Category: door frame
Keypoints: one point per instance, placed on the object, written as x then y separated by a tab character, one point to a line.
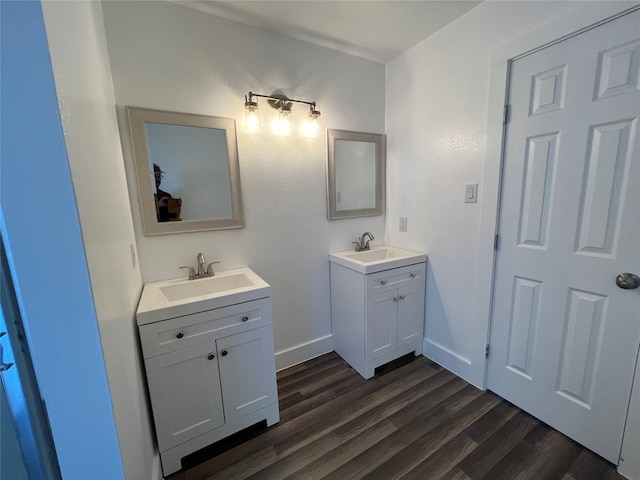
585	18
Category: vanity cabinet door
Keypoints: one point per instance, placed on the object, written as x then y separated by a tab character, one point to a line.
410	314
185	393
381	324
247	372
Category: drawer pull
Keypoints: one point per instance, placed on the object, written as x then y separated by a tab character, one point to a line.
179	335
211	356
413	275
245	318
224	353
383	282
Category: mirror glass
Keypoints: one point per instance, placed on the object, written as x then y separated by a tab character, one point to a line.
355	174
187	171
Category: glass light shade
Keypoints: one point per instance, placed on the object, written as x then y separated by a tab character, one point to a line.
252	117
311	126
282	124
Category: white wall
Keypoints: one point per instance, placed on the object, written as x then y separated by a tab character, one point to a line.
170	57
77	45
41	231
436	121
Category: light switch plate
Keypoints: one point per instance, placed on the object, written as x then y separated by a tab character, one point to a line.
403	224
471	193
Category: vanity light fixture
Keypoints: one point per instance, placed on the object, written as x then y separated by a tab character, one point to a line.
282	124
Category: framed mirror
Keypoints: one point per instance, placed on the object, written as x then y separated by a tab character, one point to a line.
187	171
355	174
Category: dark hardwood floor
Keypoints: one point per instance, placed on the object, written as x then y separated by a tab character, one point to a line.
413	420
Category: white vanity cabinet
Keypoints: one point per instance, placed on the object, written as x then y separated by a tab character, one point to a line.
210	374
377	317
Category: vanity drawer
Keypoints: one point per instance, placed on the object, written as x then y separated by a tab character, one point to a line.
395	278
181	332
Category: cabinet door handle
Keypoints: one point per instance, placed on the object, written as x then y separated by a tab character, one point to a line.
224	353
383	282
211	356
395	299
401	297
413	275
179	335
245	318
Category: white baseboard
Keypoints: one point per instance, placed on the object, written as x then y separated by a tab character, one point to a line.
303	352
447	358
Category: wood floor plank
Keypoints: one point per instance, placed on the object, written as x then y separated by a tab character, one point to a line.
455	474
399	464
456	387
334	454
438	465
495	418
496	446
305	404
429	386
413	419
547	454
313	381
589	466
348	411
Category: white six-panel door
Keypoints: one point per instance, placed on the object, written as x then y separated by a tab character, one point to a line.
564	336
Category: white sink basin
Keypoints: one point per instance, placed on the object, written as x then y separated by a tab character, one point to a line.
377	259
174	298
205	286
374	255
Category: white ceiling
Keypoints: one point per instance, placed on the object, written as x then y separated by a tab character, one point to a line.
378	30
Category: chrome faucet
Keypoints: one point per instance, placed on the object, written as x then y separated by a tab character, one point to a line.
201	265
202	271
361	244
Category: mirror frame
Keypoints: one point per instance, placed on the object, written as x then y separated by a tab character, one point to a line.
137	118
379	140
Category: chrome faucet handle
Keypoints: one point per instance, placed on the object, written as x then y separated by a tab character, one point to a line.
210	267
357	246
192	273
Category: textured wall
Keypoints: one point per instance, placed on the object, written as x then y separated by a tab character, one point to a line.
77	45
169	57
41	231
436	121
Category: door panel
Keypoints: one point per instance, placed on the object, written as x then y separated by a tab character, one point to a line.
246	372
564	337
410	314
382	324
185	393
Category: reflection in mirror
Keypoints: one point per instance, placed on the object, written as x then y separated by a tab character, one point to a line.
187	171
355	174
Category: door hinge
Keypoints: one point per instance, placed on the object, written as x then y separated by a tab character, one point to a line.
486	351
496	238
505	114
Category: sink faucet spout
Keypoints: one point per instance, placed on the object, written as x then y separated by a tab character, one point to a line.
201	265
364	245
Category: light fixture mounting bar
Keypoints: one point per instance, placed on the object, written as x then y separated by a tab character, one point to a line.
279	101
